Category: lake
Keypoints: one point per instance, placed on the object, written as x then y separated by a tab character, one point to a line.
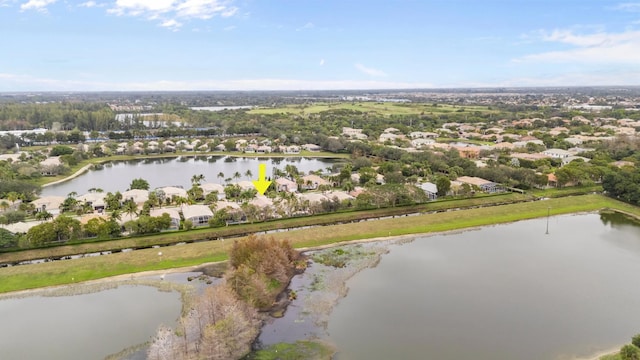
117	176
84	327
501	292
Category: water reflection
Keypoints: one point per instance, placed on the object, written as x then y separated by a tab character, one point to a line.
160	172
627	228
88	326
486	294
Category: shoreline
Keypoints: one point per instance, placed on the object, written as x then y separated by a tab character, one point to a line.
80	171
600	354
88	167
385	241
302	250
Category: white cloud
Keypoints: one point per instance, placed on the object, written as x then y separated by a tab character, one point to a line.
167	10
229	28
12	82
631	7
171	24
38	5
6	3
306	26
598	47
321	62
611	78
90	4
370	71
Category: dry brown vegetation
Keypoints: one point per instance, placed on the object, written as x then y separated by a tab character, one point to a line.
260	269
223	322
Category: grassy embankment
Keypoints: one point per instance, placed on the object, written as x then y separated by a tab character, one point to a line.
64	272
173	237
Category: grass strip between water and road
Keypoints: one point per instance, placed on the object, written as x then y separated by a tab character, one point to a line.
91	268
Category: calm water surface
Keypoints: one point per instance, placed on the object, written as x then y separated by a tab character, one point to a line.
502	292
84	327
177	172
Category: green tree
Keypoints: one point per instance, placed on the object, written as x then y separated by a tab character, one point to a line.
195	193
7	239
4	205
636	340
140	184
443	184
130	207
43	215
196	180
113	201
59	150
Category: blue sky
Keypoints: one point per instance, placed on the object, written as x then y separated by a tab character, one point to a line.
50	45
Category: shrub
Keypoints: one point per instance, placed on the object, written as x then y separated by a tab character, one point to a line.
629	352
260	269
61	150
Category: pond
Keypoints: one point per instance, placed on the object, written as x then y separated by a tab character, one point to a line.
87	326
178	171
501	292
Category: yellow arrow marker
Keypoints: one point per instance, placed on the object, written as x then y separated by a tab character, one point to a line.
262	184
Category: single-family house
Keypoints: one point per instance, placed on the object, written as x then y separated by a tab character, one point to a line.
430	189
199	215
569	159
50	204
557	153
208	188
139	196
173	214
353	133
312	181
483	184
171	191
20	227
95	199
284	184
312	147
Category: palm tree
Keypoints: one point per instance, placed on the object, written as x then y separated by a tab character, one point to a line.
197	179
130	207
221	175
43	215
237	175
248	174
181	200
115	215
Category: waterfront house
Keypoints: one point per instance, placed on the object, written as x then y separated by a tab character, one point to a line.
199	215
173	214
284	184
